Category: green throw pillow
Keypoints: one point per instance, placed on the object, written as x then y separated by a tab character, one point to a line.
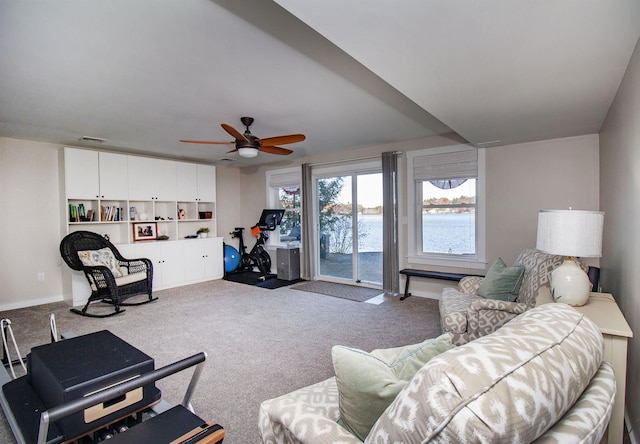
369	382
501	282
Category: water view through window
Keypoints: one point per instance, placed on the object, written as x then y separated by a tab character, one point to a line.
449	233
449	216
443	232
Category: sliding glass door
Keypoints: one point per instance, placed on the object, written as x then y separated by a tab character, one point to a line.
349	217
335	227
369	227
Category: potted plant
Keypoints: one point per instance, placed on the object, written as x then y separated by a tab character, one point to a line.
203	232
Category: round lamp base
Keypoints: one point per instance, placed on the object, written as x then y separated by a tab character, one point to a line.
570	284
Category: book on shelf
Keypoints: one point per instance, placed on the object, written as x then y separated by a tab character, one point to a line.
79	213
111	213
73	213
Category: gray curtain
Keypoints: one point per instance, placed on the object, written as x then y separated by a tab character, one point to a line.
390	267
307	223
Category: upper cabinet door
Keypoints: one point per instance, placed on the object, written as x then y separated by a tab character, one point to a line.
195	182
151	179
114	179
186	181
81	174
141	178
165	179
206	183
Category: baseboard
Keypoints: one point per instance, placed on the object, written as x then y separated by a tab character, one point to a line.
31	303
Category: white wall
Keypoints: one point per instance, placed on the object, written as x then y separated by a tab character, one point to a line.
525	178
620	200
521	180
229	202
30	223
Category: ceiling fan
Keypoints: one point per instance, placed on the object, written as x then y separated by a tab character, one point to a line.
248	145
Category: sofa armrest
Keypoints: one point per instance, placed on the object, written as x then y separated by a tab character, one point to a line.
470	284
307	415
587	420
485	316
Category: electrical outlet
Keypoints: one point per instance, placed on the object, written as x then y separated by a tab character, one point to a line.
41	276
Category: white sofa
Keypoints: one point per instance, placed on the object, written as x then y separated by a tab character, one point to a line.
540	378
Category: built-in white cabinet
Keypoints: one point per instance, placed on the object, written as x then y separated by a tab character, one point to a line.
178	198
109	192
81	174
195	183
203	259
196	191
95	175
206	183
151	179
114	179
168	261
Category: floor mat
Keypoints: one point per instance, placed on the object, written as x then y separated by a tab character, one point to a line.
252	278
351	292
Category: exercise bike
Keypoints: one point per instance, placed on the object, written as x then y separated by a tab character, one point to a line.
239	260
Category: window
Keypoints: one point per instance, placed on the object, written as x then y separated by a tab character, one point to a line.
446	215
284	191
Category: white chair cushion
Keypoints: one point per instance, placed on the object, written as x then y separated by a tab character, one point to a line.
127	279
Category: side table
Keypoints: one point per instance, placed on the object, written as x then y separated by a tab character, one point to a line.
602	309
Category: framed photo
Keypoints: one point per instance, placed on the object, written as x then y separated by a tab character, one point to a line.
145	231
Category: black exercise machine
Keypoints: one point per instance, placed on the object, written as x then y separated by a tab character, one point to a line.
86	389
258	256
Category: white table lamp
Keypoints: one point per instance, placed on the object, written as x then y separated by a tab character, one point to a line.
570	233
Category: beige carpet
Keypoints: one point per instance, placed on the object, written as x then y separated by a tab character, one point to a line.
350	292
260	343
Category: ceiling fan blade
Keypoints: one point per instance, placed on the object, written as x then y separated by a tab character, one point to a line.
207	142
282	140
275	150
234	132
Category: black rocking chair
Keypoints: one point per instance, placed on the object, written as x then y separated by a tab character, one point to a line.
112	278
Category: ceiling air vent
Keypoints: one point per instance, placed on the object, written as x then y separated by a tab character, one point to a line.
92	139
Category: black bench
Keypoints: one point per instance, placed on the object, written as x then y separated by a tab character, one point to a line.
408	272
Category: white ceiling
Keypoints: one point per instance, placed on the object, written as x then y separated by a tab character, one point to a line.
145	73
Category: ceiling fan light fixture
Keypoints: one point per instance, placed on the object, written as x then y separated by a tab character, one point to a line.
247	152
247	145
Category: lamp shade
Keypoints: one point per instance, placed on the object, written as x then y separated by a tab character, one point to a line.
570	232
